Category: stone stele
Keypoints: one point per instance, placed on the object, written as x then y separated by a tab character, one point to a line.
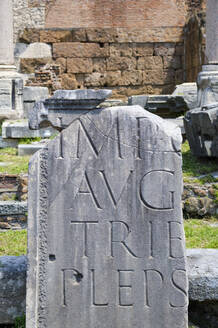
106	242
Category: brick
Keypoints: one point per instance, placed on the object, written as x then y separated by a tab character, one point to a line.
99	64
101	35
79	65
143	49
172	61
150	63
121	50
62	62
164	49
78	49
121	63
29	35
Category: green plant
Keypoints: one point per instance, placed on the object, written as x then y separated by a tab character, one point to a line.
13	164
29	140
201	233
193	166
13	243
20	322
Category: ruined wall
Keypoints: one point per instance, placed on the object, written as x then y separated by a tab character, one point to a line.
131	46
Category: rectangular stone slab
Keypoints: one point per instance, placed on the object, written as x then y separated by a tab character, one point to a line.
106	243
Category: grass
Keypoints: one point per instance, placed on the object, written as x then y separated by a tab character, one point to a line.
200	234
16	164
193	167
13	243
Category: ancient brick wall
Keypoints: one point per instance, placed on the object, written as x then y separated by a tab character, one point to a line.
131	46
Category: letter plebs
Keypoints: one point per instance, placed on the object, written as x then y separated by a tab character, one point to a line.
106	237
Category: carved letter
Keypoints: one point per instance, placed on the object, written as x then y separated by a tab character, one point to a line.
179	281
99	293
157	190
119	235
72	277
175	240
153	285
85	234
125	287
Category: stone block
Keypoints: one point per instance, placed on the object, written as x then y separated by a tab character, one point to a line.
113	78
79	65
12	288
62	62
121	50
164	49
142	49
121	63
30	149
20	129
69	82
189	92
131	78
95	79
158	76
11	97
13	208
101	35
110	185
37	50
99	64
30	65
54	36
203	274
172	61
30	35
150	63
5	143
77	49
31	95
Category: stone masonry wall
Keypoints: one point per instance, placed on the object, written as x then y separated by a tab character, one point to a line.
133	47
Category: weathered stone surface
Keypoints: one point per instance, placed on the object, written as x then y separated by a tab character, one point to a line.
6	33
113	181
58	110
30	65
31	95
201	126
30	149
150	63
163	105
189	92
37	50
121	63
12	287
12	207
11	97
79	65
211	32
77	49
20	129
203	274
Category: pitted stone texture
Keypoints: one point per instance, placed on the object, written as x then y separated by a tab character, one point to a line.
6	33
58	110
203	274
105	201
12	287
189	93
201	127
211	32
